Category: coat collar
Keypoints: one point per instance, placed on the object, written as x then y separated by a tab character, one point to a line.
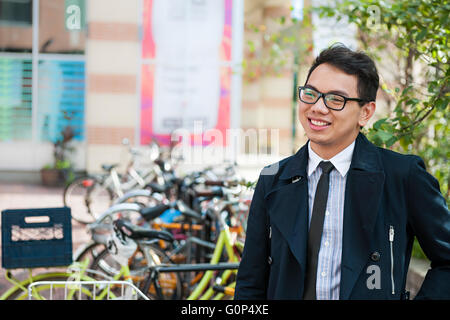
365	157
341	161
297	165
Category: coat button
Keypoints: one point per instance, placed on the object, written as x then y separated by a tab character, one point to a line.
375	256
269	260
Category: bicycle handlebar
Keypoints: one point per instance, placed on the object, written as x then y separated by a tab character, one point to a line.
115	209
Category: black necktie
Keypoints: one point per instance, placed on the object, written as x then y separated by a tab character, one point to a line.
315	230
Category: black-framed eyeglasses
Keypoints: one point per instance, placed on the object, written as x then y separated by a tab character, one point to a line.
332	101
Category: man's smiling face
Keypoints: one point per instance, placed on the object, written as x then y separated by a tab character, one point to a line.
332	131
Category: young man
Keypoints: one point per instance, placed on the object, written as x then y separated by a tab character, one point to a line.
337	219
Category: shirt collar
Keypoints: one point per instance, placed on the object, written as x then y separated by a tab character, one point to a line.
341	161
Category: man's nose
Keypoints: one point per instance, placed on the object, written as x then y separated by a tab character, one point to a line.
320	106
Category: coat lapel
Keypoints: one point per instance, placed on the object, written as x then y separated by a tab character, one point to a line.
288	204
363	193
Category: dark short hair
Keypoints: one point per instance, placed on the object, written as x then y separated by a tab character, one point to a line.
353	63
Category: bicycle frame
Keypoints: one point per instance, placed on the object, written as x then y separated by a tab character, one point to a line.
123	273
112	181
224	240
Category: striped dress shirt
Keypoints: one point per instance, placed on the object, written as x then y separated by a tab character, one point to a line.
330	252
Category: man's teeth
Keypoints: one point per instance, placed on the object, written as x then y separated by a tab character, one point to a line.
319	123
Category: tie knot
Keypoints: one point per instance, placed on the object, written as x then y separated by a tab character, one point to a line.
326	166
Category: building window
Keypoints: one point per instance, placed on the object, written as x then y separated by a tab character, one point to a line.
42	82
16	12
15	99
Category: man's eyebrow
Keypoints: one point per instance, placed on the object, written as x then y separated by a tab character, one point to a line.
342	93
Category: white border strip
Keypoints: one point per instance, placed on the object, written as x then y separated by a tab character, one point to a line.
141	62
35	75
61	57
14	55
237	39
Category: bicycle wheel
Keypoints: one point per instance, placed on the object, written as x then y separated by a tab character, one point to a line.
87	198
58	292
171	283
89	251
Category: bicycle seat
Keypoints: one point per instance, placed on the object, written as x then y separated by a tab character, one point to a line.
150	213
209	194
109	167
157	187
135	232
188	212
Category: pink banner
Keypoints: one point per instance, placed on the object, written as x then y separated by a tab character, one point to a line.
186	74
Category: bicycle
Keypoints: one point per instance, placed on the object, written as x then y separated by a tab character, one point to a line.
195	222
201	223
90	194
146	252
219	208
224	283
162	281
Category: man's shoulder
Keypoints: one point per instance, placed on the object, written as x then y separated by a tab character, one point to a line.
396	158
273	174
276	168
398	165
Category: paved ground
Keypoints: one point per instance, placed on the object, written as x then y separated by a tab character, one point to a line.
20	196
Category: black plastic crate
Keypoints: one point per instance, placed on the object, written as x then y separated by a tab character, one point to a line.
36	238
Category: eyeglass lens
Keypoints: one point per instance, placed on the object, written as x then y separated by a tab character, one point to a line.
309	95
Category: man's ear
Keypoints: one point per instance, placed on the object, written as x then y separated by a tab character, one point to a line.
366	113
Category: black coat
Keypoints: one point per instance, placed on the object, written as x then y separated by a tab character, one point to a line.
384	190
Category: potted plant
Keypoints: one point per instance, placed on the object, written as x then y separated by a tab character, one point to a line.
60	170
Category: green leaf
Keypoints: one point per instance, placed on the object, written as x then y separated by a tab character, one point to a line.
412	101
391	141
441	104
404	121
251	46
405	142
385	136
62	164
377	125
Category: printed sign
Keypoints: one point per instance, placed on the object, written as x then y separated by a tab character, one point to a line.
186	74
